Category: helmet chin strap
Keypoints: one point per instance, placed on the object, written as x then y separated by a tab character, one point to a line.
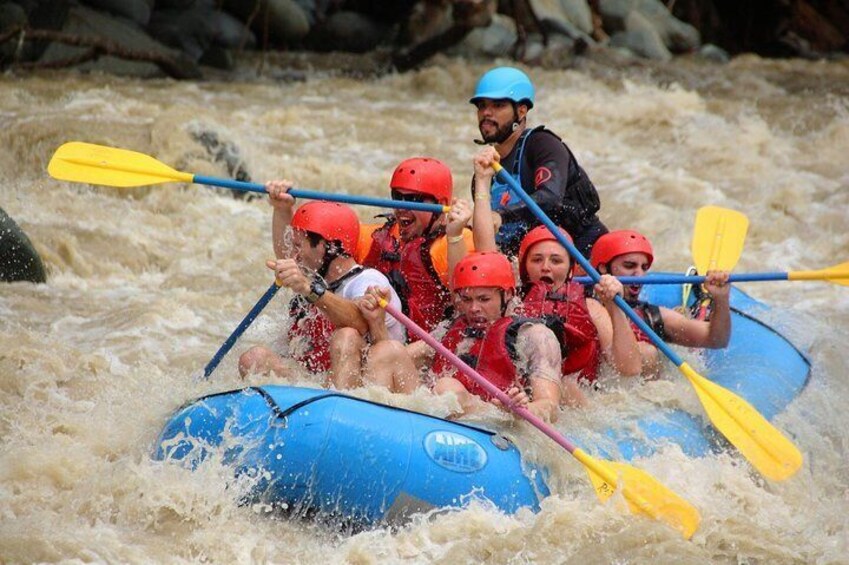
504	302
434	217
330	253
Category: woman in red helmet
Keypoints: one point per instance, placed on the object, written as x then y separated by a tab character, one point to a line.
587	330
417	250
316	261
629	253
519	355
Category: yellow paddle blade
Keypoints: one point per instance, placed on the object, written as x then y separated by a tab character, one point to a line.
838	274
718	238
643	493
97	164
772	454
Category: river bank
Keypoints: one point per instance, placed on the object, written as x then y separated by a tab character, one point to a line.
185	39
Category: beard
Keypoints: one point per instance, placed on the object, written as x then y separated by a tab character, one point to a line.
499	135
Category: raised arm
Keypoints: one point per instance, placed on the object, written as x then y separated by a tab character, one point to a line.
458	219
283	204
714	334
485	222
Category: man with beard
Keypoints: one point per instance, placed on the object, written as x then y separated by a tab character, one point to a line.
544	166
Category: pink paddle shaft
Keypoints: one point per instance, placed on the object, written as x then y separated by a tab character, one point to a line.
478	378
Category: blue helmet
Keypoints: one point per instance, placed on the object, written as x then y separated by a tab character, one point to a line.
505	83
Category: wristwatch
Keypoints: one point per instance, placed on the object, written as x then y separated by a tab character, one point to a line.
317	290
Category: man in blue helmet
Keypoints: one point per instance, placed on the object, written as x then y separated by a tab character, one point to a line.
537	158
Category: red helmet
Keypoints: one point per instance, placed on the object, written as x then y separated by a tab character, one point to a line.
481	270
332	221
425	176
620	242
537	235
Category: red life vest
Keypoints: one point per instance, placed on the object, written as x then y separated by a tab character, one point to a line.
427	298
311	325
650	314
492	354
384	253
410	270
570	320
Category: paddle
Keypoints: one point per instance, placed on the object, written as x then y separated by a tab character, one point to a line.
718	238
97	164
230	341
643	493
772	454
838	274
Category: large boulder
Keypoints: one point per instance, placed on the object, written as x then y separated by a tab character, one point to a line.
676	35
641	37
570	17
39	15
190	31
126	40
230	33
347	31
181	4
199	30
286	21
137	11
11	16
19	261
496	40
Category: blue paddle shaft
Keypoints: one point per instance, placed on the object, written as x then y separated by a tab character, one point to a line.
588	268
228	344
690	279
328	196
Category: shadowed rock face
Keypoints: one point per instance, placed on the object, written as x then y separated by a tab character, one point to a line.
19	261
770	27
130	36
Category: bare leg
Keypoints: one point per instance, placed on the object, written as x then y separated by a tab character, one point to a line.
346	348
389	365
421	353
464	397
261	360
572	395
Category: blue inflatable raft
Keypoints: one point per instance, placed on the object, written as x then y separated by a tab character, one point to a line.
365	463
760	365
314	450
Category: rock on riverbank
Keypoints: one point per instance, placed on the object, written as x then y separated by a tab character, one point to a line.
179	38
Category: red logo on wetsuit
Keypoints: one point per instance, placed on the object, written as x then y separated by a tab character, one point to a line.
543	175
505	199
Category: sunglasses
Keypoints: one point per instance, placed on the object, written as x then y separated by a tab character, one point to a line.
411	197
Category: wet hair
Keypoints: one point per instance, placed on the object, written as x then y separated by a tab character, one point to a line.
313	238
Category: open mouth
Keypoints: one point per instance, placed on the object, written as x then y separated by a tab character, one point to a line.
405	221
547	279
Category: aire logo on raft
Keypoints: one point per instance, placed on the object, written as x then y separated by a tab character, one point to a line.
455	452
